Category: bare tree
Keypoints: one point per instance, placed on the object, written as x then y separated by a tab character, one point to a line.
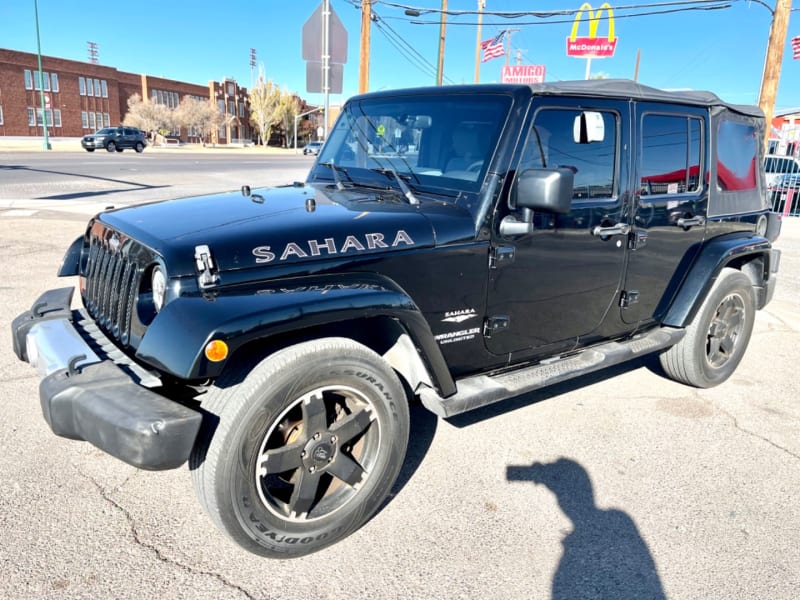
264	99
200	115
148	116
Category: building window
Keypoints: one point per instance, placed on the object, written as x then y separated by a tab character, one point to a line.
89	87
221	106
57	117
54	80
84	119
241	109
28	79
81	86
231	110
92	121
1	114
99	120
107	119
31	117
230	89
104	87
45	81
97	87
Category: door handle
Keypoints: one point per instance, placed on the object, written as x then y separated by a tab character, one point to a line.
689	222
607	232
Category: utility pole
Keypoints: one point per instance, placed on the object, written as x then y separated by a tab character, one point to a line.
363	69
772	61
481	6
326	61
442	24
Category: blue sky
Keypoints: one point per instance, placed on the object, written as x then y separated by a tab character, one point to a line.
719	50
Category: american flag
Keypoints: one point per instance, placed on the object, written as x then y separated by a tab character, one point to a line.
494	47
795	47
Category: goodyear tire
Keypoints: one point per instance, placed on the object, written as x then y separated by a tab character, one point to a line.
307	445
717	338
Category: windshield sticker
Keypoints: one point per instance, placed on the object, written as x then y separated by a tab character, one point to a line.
314	248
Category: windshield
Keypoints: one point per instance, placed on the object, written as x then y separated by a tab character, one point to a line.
438	141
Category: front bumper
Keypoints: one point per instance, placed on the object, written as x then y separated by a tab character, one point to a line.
90	394
93	143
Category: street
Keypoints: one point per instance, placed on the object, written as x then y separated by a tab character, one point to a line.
553	494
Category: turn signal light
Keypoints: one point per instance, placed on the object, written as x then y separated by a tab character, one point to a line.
216	350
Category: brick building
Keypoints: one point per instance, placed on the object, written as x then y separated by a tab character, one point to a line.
82	97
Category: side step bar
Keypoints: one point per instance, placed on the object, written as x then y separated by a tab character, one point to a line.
482	390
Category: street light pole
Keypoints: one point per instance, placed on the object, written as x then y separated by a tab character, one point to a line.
41	77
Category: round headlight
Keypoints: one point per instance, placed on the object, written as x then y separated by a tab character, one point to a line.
159	285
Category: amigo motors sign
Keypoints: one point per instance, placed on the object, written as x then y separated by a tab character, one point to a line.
592	46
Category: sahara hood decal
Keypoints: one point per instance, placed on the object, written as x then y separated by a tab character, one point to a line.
330	246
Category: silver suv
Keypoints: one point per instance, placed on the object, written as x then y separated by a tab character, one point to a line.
115	139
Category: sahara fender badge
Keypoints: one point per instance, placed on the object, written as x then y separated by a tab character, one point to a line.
459	316
330	246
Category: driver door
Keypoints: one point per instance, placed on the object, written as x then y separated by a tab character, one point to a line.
558	286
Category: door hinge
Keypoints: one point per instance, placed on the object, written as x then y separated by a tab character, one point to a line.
495	324
628	298
501	256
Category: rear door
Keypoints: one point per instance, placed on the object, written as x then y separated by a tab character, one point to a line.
671	203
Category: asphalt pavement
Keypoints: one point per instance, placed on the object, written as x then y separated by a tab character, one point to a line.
561	493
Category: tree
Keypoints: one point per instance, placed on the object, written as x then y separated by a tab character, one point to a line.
264	99
148	116
201	115
288	108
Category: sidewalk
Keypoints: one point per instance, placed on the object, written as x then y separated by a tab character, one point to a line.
73	144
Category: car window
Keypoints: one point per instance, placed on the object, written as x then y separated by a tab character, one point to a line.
551	144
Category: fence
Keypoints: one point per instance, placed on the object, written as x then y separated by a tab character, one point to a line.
783	184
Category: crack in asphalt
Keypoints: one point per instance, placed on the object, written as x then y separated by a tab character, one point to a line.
159	554
755	435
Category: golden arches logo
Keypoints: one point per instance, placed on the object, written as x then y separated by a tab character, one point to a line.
592	46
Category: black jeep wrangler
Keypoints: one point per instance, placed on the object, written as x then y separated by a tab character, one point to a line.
458	245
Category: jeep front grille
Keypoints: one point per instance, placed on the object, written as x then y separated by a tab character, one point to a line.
112	282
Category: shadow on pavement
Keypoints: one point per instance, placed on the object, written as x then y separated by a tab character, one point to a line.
134	186
604	556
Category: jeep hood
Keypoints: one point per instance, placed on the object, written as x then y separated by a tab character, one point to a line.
286	225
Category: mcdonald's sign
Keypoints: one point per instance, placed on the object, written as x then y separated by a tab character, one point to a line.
592	46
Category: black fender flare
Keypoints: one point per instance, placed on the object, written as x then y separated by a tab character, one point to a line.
715	255
238	315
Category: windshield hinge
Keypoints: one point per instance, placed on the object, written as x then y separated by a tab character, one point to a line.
501	256
206	269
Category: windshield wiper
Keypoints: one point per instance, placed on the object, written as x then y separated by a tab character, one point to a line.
412	199
335	171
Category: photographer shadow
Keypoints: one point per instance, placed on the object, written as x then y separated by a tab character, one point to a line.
604	555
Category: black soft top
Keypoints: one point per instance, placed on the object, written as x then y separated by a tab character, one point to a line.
625	88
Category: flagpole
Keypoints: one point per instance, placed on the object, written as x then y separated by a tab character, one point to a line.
481	6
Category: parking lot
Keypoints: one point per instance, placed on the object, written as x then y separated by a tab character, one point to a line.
560	493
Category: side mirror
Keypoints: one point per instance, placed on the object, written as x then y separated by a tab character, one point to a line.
546	190
588	127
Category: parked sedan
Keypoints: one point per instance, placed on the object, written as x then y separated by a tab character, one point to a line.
312	148
115	139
